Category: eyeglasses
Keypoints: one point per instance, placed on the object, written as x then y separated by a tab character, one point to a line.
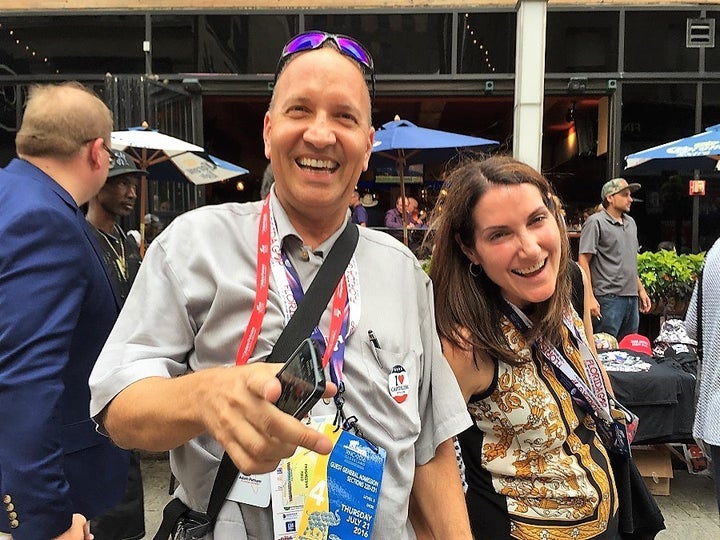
111	153
309	41
112	156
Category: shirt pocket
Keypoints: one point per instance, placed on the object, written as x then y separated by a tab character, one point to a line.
393	393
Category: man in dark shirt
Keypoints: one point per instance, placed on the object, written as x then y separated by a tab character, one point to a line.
359	214
117	198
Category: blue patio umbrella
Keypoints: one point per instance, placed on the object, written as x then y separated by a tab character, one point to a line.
698	152
401	143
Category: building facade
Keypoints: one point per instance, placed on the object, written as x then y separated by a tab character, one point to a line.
618	77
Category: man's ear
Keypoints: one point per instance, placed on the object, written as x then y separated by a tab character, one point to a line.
368	150
266	134
96	154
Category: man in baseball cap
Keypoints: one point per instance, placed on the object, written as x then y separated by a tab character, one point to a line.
115	199
608	255
122	258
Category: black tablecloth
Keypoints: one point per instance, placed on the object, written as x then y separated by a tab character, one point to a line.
663	399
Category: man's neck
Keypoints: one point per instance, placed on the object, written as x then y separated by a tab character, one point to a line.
102	220
615	213
64	173
315	233
312	230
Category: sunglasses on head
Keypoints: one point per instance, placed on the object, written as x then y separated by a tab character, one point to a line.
309	41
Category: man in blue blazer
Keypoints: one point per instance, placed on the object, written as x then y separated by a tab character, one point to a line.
57	307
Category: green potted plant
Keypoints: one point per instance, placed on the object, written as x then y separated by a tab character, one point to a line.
669	279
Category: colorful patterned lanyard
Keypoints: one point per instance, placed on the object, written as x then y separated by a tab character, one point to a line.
334	348
594	400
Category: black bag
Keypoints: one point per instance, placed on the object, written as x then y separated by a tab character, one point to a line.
181	523
639	517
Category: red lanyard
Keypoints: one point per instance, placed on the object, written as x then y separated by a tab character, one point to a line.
262	286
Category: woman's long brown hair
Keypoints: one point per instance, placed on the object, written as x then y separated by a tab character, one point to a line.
468	308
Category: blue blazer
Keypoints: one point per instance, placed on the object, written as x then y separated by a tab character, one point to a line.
57	307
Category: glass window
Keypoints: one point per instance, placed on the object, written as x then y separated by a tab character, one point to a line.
72	44
654	114
711	104
486	43
174	44
655	41
408	43
582	41
712	55
248	44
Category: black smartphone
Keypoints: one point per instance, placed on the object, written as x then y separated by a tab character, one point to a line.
302	380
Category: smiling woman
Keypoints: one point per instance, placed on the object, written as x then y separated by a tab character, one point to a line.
519	351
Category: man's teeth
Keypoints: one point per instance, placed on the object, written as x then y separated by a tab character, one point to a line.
317	163
531	269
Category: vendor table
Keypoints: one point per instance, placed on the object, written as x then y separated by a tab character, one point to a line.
663	399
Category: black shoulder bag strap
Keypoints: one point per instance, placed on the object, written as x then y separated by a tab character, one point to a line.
299	327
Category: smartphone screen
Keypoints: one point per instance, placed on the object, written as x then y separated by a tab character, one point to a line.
302	380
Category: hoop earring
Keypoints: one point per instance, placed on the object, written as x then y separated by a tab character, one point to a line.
476	273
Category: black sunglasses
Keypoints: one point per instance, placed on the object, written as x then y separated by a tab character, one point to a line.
314	39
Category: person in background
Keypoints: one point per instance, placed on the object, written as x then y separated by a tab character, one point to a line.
376	217
706	427
393	217
115	200
126	521
359	215
667	245
57	306
608	256
153	227
535	466
414	212
163	380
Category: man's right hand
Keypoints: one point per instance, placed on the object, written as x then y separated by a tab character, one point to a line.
236	405
240	413
79	530
595	308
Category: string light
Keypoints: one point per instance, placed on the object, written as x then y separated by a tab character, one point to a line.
481	46
27	48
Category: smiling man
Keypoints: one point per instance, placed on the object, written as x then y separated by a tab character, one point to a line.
163	383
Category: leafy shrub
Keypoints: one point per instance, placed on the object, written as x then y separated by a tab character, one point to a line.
668	276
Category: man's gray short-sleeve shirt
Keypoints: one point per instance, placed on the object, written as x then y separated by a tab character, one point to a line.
189	308
614	248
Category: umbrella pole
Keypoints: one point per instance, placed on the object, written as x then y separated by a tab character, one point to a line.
401	164
143	202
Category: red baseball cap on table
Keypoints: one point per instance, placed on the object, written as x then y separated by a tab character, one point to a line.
637	343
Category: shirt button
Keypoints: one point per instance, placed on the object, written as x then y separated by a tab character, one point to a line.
12	515
304	255
7	499
10	507
14	524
